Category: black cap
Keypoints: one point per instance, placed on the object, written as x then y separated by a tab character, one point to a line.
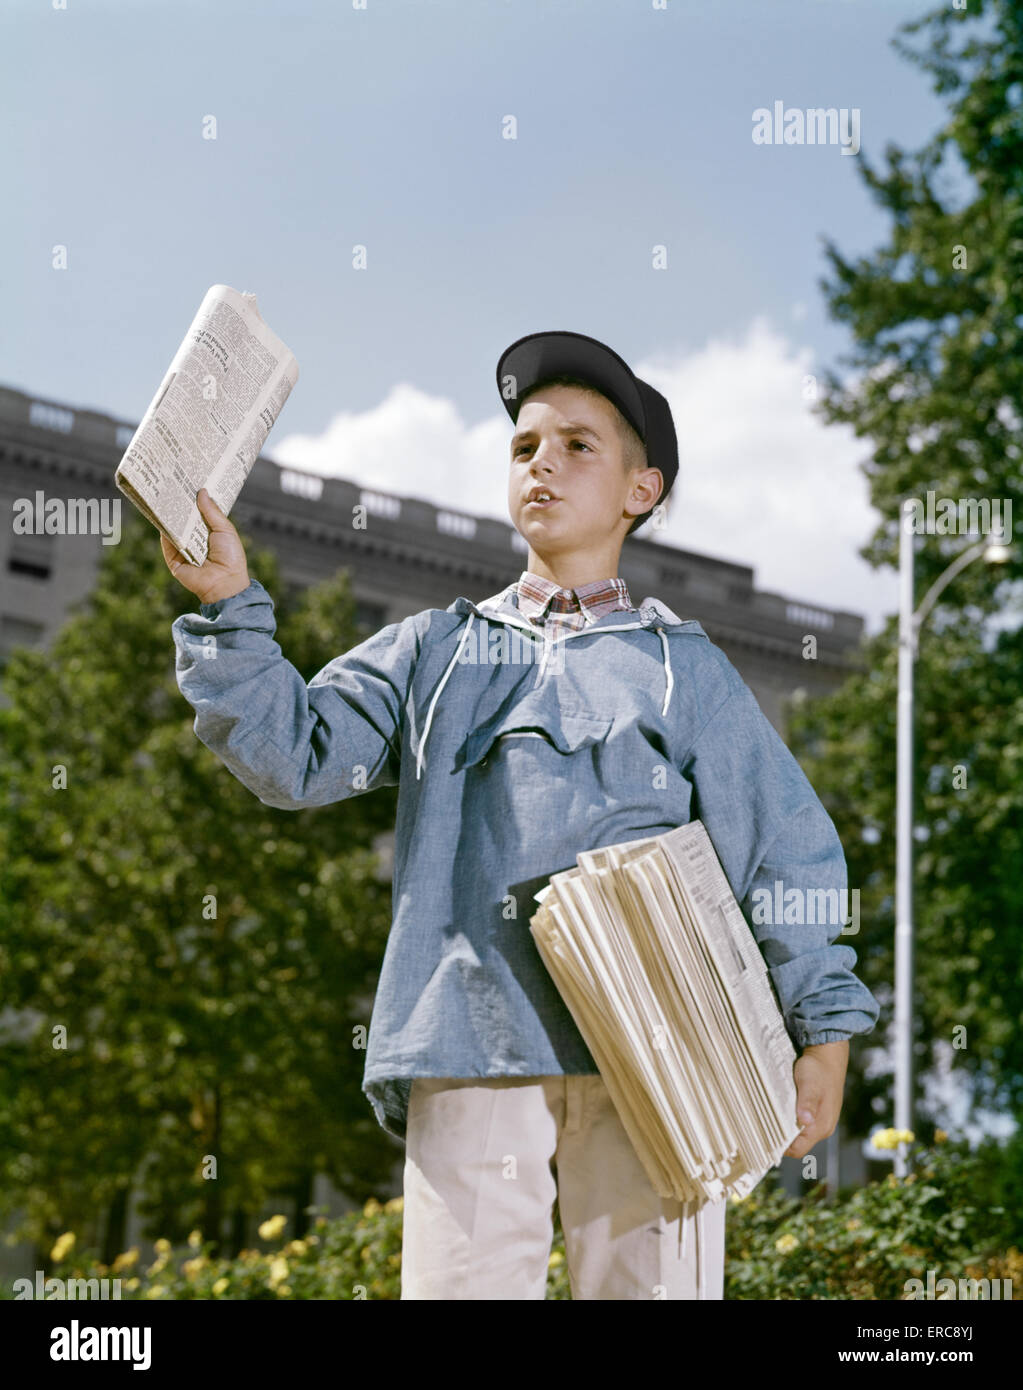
538	356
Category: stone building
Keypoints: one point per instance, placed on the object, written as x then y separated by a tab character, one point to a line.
411	555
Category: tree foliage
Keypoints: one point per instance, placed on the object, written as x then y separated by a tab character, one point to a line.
936	317
210	958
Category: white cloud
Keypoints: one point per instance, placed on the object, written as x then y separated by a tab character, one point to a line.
765	481
762	480
413	444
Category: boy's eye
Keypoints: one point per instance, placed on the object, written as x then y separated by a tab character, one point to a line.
526	446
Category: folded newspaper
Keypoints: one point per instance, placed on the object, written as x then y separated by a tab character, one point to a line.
657	965
208	421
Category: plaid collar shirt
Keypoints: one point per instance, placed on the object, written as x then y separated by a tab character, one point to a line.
545	604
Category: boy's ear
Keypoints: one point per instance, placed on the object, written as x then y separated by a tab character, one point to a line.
650	480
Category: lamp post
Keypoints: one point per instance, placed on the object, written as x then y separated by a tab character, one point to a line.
995	551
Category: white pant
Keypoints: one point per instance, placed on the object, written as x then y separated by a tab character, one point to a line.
485	1159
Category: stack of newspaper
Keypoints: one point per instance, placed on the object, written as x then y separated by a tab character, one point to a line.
656	963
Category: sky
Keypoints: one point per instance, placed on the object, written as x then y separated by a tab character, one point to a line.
384	126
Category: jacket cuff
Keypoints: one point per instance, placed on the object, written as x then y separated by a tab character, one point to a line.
213	610
811	1037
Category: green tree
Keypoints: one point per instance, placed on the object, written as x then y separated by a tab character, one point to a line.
210	958
936	316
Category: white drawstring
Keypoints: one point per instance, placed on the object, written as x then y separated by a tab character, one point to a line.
669	678
436	696
699	1254
683	1223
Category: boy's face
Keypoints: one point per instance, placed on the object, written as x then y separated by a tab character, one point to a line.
566	440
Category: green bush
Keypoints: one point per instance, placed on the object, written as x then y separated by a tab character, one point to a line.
356	1256
946	1215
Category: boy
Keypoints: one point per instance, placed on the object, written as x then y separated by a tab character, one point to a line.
551	718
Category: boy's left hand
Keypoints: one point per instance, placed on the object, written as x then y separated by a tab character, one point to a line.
819	1075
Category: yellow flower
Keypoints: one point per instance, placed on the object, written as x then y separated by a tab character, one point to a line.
283	1290
272	1228
162	1246
395	1204
278	1270
785	1243
854	1224
556	1259
295	1247
372	1207
62	1246
125	1261
220	1286
735	1197
940	1136
192	1267
195	1239
131	1283
891	1138
154	1291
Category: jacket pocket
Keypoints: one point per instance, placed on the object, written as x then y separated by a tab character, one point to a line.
568	731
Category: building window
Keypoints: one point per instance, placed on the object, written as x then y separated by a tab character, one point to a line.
31	556
51	417
380	504
123	436
370	617
306	485
454	524
17	632
808	617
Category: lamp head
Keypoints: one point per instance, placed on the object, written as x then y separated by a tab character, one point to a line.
997	550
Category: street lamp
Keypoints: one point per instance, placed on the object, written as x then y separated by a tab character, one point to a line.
995	549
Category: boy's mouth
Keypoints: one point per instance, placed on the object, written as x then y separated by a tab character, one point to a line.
541	497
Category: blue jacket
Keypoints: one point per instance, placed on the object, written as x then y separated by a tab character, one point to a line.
512	753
